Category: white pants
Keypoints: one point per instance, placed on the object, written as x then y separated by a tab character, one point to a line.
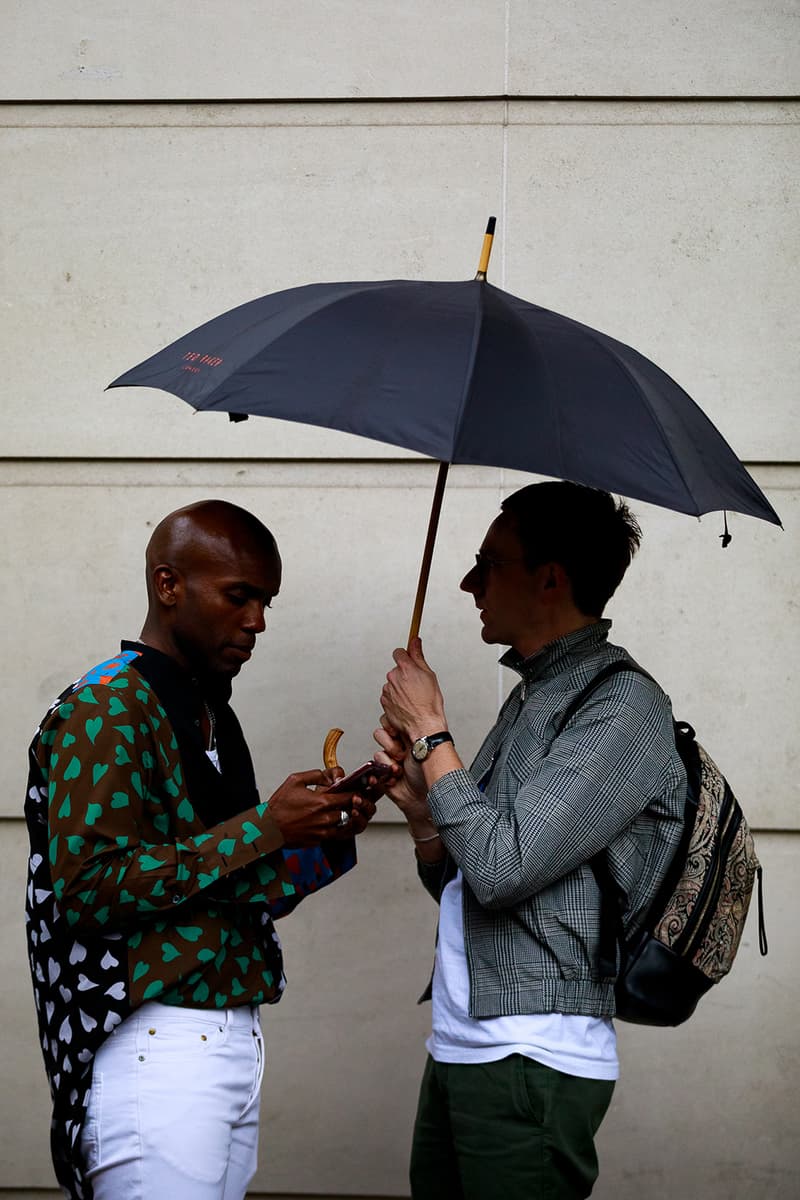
173	1109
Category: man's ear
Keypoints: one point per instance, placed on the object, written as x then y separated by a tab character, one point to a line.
167	583
554	576
555	582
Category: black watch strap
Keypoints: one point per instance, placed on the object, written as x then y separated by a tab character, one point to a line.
423	746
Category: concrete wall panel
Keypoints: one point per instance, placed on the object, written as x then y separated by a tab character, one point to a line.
630	48
351	539
155	230
677	236
126	238
284	49
250	48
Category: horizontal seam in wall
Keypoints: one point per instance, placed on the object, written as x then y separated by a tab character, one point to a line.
355	101
212	126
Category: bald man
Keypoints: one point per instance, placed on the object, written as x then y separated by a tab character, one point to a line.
156	873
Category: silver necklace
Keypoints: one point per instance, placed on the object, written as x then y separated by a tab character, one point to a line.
212	727
211	752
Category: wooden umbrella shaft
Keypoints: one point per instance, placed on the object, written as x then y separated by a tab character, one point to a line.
486	250
441	480
427	554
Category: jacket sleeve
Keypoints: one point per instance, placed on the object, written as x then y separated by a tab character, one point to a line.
124	842
313	868
601	772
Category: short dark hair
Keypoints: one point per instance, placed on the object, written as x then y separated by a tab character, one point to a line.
588	532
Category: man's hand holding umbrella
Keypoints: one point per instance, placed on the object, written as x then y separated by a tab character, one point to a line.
413	711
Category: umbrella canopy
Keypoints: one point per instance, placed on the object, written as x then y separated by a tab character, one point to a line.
465	373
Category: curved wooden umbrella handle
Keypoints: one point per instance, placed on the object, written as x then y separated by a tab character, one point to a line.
329	748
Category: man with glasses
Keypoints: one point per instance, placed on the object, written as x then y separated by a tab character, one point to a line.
522	1055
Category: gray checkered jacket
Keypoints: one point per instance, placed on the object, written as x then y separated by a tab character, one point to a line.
548	802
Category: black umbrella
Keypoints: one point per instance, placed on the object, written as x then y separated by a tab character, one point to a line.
465	373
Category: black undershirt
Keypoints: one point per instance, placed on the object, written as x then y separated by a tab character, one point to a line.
215	795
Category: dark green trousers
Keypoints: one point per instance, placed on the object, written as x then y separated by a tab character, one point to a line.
507	1130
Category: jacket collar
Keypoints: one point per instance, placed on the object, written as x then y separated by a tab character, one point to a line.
557	656
172	682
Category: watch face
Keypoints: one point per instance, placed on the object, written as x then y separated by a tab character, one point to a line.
419	750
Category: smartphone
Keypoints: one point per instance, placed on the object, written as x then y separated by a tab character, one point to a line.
360	777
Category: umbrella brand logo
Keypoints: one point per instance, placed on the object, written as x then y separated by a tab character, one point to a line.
203	360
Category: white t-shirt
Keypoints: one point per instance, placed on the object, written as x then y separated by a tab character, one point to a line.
576	1045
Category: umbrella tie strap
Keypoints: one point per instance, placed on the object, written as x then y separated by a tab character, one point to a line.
726	538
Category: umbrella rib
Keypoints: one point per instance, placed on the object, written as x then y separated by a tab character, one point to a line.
544	363
470	369
328	302
529	333
653	417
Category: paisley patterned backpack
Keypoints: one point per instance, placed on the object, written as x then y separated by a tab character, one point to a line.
693	927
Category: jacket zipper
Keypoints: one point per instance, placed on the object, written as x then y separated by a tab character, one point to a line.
510	725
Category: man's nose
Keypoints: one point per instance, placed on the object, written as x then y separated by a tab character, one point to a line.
471	581
254	618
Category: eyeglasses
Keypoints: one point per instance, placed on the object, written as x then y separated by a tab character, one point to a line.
485	562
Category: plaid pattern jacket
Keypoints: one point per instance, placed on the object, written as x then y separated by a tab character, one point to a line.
548	802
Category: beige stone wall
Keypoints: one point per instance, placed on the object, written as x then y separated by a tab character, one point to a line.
161	163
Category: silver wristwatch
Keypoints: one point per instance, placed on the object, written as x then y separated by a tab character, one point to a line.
423	746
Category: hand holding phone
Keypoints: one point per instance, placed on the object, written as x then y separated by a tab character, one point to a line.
358	780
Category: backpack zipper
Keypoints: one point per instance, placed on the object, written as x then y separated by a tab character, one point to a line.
697	924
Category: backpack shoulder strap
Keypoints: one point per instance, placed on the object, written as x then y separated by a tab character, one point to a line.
606	672
612	899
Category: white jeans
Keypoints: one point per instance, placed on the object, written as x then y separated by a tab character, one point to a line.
173	1109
